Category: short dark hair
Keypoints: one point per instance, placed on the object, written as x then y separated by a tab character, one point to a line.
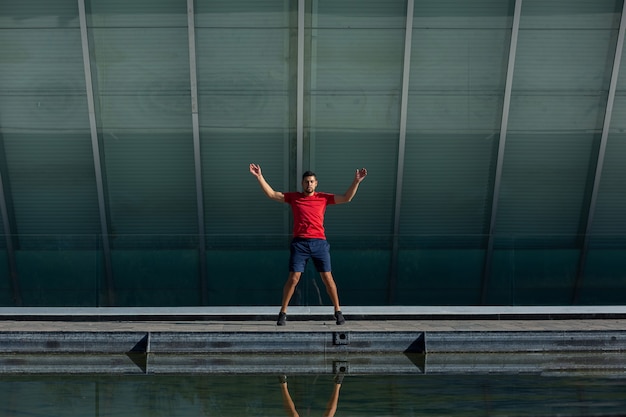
308	174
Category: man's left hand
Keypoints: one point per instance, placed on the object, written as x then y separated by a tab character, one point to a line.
360	174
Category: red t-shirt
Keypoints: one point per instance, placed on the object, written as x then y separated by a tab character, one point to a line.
308	213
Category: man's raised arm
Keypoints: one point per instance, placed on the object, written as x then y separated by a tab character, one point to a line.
267	189
349	194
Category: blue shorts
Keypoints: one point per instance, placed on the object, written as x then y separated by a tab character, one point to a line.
304	249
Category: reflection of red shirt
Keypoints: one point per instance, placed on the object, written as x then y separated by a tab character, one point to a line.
308	213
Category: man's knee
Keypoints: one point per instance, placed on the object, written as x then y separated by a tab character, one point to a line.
294	277
327	277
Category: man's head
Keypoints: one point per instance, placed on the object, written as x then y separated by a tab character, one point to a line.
309	182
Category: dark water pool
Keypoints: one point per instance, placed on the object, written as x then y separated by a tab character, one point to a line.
311	395
232	385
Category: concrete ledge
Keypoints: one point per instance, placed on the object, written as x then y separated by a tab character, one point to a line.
546	364
287	364
531	341
72	342
212	364
211	342
329	342
69	364
287	342
602	364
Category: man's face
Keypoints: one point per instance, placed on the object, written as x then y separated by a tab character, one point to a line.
309	184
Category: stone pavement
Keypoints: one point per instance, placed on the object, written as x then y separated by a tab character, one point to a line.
316	326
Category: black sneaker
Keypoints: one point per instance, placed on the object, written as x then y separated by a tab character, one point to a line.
282	319
339	317
282	379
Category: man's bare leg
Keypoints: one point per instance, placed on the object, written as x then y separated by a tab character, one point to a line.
331	407
290	407
331	289
289	289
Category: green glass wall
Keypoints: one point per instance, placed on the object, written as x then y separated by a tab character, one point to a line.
492	131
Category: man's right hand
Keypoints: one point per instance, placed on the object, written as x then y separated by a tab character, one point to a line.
255	170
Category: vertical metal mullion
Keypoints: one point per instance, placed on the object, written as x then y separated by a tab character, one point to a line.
193	77
501	146
601	155
95	146
300	90
15	281
404	101
313	84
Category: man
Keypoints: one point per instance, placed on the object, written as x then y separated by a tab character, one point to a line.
309	239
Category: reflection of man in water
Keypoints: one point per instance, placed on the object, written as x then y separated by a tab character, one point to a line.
331	407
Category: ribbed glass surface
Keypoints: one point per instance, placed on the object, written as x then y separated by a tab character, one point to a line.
246	77
38	14
565	54
426	242
44	127
458	72
476	14
141	77
137	13
551	148
609	223
621	81
571	14
604	273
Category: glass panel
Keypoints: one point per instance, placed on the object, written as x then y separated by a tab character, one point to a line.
36	14
362	273
60	276
141	76
6	287
533	276
545	182
244	13
551	148
261	272
358	14
47	163
246	84
136	14
605	275
621	81
153	278
51	178
609	223
455	107
568	14
447	276
458	73
477	14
